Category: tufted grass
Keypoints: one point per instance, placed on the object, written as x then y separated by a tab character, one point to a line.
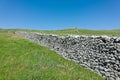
21	59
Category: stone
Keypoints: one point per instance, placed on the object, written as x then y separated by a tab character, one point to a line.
111	78
118	78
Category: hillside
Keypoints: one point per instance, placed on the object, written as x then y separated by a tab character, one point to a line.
76	31
21	59
83	32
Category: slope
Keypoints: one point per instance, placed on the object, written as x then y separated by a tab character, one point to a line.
23	60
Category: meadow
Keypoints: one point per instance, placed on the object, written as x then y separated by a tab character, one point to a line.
75	31
21	59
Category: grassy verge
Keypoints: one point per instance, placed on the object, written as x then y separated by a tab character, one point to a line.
24	60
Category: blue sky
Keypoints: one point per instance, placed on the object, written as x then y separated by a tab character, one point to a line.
60	14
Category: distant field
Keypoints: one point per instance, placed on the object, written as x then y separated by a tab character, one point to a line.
84	32
21	59
75	31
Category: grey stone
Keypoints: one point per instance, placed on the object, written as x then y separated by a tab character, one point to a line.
111	78
117	78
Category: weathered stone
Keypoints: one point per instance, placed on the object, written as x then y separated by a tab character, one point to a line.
117	78
111	78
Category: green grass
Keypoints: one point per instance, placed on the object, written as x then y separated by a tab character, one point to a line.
83	32
65	32
21	59
76	31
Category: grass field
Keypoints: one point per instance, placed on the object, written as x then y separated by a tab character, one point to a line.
21	59
83	32
76	31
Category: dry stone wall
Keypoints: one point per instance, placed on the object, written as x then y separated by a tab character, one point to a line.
100	54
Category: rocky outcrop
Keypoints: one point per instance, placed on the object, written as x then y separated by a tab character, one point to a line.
100	54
